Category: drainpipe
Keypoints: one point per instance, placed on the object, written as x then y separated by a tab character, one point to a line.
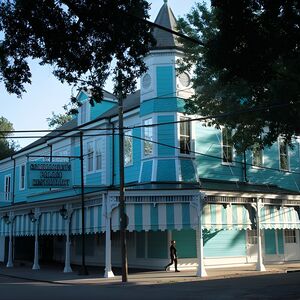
14	181
50	145
245	167
113	153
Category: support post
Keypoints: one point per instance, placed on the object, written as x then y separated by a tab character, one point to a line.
198	203
109	207
10	263
36	220
259	265
108	268
68	217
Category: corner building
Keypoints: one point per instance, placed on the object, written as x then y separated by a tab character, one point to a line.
184	181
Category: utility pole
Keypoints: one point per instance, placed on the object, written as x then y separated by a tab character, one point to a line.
123	219
83	270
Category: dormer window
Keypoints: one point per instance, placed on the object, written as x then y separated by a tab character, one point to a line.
84	113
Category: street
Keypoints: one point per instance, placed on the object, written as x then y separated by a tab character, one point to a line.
275	286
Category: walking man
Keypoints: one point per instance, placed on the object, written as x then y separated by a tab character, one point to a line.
173	256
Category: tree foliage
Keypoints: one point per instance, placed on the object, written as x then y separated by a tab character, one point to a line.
57	120
247	67
7	148
85	41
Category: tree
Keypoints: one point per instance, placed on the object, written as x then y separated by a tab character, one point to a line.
7	148
57	120
84	41
247	67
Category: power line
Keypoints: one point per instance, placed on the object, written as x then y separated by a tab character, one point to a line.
212	156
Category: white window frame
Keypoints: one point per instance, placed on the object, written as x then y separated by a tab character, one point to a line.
84	112
98	154
90	156
128	137
22	178
148	121
92	163
290	236
7	187
281	140
253	158
227	146
180	135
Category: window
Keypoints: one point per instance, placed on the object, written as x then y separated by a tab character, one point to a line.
84	112
94	155
148	137
257	156
227	146
252	237
64	156
185	135
290	236
7	182
98	155
22	177
283	155
128	148
90	150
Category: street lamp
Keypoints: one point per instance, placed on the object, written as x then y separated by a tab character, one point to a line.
6	218
32	216
63	212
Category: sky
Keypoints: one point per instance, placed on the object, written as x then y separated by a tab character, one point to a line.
46	94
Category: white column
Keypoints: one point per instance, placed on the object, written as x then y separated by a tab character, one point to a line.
201	272
259	265
109	205
36	242
10	263
67	268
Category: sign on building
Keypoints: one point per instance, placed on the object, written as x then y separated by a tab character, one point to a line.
49	174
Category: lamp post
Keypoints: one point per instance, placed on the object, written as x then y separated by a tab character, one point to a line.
67	215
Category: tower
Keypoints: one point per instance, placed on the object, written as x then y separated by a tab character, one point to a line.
163	91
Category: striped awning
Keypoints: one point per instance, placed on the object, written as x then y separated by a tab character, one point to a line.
276	217
23	226
4	228
227	217
178	216
94	220
52	223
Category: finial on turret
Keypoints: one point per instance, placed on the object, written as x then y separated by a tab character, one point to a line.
165	1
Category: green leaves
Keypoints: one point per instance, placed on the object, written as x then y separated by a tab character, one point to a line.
247	74
80	38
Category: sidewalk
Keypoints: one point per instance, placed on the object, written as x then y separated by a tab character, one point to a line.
54	274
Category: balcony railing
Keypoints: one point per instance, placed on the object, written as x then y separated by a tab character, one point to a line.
5	196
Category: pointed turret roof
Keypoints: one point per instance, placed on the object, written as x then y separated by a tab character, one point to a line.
165	39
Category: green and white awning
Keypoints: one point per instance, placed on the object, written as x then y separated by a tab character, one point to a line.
159	216
94	220
52	223
177	216
277	217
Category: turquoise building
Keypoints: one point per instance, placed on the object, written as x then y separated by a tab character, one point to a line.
184	182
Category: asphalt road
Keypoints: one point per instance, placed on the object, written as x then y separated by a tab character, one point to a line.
276	286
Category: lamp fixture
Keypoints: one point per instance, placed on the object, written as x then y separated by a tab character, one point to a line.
32	216
63	212
6	218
